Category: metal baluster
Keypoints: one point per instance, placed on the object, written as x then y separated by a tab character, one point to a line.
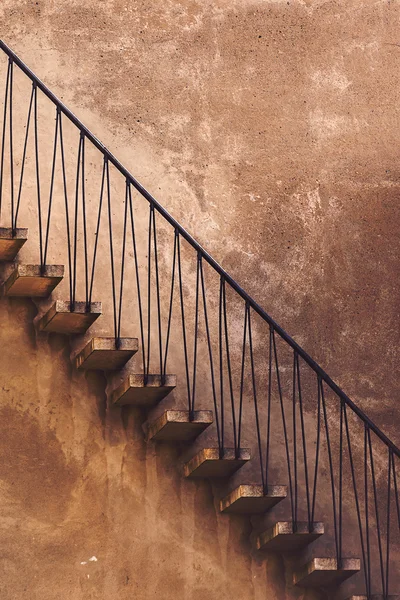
284	431
53	167
3	139
28	122
304	444
185	351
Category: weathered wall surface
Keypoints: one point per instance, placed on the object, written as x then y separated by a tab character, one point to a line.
270	130
89	511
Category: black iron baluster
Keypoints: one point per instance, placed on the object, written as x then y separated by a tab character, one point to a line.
296	490
97	233
378	527
65	189
228	364
151	210
357	501
196	333
242	375
268	433
341	480
39	203
141	321
221	370
28	122
304	444
171	299
157	292
185	350
335	524
368	546
210	354
53	167
253	379
110	230
78	167
285	435
388	522
11	141
85	246
3	139
317	450
121	286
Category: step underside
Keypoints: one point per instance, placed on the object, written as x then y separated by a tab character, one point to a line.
325	572
60	319
284	537
136	392
30	281
11	244
176	425
101	354
252	499
207	463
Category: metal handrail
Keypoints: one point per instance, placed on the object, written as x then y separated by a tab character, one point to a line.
200	250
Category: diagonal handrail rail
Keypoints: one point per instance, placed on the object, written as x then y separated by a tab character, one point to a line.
200	250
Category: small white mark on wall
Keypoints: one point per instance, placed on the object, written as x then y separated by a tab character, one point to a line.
91	559
332	78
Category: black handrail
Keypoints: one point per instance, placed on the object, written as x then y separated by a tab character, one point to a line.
373	496
200	250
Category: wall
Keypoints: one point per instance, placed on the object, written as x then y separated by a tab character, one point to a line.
269	130
88	510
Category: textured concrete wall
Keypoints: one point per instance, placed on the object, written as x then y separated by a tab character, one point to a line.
88	510
270	130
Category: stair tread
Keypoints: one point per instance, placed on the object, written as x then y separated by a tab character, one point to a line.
60	319
29	281
11	242
252	499
135	392
175	425
283	537
207	463
101	354
321	572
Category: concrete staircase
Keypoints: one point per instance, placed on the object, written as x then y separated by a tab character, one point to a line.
173	426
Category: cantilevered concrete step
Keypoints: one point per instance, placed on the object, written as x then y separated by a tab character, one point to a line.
29	281
283	537
176	426
324	572
60	318
136	392
252	499
11	244
101	354
207	463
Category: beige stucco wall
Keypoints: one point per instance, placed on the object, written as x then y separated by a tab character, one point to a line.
279	152
269	130
89	511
